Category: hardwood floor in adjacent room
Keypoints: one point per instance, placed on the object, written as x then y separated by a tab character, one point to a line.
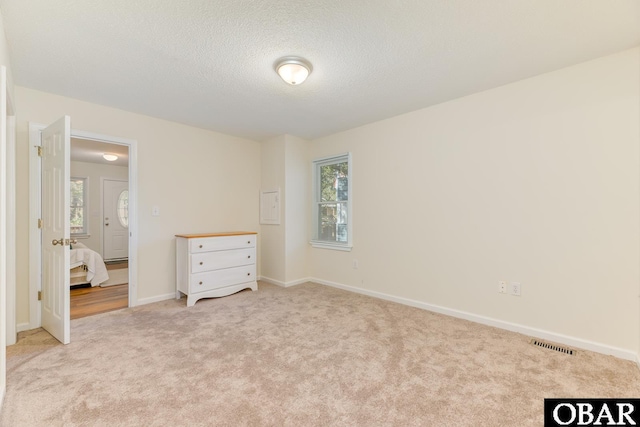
90	301
94	300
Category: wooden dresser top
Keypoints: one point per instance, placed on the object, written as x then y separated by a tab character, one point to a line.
219	234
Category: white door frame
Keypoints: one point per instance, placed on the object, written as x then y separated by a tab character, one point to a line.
35	208
12	330
3	229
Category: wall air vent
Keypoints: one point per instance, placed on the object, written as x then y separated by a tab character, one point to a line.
553	347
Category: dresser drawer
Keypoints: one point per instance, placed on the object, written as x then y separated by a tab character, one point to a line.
220	278
207	261
207	244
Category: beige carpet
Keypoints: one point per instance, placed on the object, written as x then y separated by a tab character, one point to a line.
303	356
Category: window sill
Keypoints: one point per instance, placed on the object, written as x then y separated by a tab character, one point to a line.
333	246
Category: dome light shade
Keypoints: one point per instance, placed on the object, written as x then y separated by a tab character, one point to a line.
293	70
110	157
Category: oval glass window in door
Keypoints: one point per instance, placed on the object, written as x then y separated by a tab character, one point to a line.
123	208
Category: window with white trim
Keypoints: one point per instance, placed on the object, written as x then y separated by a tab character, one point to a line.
332	202
78	208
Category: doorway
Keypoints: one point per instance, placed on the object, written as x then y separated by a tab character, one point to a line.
93	212
99	219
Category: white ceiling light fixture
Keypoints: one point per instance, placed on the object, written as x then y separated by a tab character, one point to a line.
293	69
110	157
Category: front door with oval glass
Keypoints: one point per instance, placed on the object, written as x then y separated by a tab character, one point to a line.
115	235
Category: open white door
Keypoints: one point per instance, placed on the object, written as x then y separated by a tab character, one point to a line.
56	229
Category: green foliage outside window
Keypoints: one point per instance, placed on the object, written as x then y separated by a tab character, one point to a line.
334	196
77	208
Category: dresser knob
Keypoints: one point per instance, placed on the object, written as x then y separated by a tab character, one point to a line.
248	274
248	256
200	246
200	283
200	262
248	242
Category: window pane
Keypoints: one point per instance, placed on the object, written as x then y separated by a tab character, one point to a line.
77	192
341	233
77	222
78	205
123	208
334	182
333	222
332	201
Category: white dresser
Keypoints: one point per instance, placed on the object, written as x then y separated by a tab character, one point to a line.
215	264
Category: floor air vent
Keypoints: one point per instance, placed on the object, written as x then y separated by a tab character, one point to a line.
553	347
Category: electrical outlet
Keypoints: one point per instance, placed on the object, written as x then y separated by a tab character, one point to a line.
355	264
502	287
515	288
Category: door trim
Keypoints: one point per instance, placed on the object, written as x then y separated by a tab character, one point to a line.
35	209
12	329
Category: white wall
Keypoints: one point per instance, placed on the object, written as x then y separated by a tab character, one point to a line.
285	166
202	181
535	182
272	236
5	58
297	208
96	173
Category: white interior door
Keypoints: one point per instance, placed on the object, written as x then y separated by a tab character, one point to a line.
115	234
56	229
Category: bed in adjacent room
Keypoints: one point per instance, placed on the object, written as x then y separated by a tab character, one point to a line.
87	266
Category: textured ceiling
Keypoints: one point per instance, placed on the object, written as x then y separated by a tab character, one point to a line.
209	63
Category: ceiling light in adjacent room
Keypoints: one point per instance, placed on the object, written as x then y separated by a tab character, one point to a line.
293	70
110	157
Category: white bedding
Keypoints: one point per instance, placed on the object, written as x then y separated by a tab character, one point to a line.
96	270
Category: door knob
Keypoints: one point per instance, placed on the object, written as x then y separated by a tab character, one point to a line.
57	242
74	241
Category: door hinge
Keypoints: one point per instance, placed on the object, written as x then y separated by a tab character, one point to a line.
39	223
39	147
39	295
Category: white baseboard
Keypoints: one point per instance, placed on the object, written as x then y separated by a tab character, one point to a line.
284	284
143	301
513	327
272	281
20	327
